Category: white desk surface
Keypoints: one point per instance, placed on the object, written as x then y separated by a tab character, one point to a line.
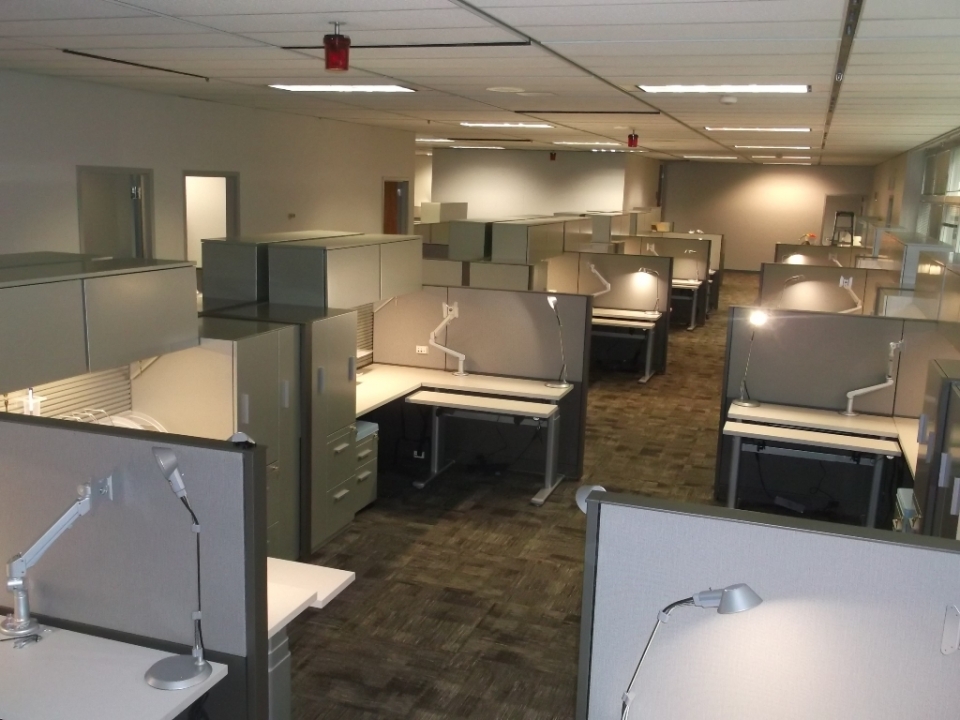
909	429
378	385
481	403
71	676
326	582
284	604
852	443
829	420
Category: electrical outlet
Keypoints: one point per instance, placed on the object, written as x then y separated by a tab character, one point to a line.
422	349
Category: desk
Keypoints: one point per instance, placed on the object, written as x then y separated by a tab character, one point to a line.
492	408
72	676
631	320
876	435
292	587
694	287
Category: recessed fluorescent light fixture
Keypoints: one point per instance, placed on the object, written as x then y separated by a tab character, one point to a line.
477	147
787	163
725	89
345	88
507	125
710	157
434	140
772	147
758	129
571	142
781	157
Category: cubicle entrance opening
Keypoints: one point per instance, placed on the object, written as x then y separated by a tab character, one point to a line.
211	210
115	211
396	212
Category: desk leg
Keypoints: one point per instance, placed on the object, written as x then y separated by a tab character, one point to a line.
875	492
278	677
648	368
436	448
693	310
550	476
734	473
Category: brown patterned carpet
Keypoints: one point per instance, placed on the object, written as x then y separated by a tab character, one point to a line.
467	598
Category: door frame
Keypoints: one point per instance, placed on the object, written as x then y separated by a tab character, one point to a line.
409	211
233	201
147	222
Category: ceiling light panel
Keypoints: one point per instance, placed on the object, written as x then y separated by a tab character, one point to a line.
526	125
726	89
345	88
759	129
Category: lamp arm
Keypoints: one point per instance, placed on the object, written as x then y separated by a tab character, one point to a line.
662	617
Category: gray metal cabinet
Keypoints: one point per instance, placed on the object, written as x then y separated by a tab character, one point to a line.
258	392
334	351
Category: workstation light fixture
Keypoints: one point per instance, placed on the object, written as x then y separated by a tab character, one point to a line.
758	129
710	157
591	143
781	157
507	125
726	89
435	140
561	383
730	600
787	163
757	318
345	88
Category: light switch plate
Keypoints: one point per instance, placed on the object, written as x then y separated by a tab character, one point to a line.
950	642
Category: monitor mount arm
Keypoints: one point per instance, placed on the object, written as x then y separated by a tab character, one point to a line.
888	382
450	313
20	624
606	286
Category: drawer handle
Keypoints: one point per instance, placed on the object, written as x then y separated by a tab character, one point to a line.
337	497
340	448
363	476
362	455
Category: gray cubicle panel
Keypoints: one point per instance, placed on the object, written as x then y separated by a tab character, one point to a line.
440	271
470	239
879	283
563	273
405	323
526	242
631	289
799	254
127	570
815	288
577	232
850	625
691	256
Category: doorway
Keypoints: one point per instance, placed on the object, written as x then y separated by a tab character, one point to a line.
396	207
115	211
210	211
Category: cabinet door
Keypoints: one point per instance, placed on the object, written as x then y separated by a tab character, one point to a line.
335	347
257	390
948	501
353	276
287	494
401	267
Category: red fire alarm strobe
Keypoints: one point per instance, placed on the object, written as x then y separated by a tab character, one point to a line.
336	50
632	140
553	156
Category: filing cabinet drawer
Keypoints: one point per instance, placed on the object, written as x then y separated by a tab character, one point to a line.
366	449
339	507
366	481
341	461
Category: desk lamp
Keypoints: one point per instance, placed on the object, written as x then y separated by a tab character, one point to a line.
647	271
562	382
691	251
606	285
757	319
732	599
179	672
450	313
19	625
888	382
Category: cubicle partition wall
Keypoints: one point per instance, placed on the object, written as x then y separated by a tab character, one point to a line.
852	623
830	255
511	334
691	256
937	292
844	290
127	570
812	360
902	250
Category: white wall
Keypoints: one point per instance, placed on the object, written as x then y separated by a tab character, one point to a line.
422	179
755	206
206	213
328	174
502	183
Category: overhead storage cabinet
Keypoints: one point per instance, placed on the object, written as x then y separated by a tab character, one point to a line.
527	242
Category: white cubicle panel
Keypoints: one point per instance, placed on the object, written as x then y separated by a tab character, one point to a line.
850	626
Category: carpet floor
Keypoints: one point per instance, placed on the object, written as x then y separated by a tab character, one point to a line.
467	598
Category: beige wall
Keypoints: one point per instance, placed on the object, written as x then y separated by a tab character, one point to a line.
326	174
503	183
422	179
642	177
206	213
755	206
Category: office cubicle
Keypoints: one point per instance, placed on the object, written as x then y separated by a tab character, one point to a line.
851	624
512	334
812	360
902	250
820	288
127	570
829	255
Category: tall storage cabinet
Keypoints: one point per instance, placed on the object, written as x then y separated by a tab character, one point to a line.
244	377
936	485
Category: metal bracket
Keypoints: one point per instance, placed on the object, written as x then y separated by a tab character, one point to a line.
762	448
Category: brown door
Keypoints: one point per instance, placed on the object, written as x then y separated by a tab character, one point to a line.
391	207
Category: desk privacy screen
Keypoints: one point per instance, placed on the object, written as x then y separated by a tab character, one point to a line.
850	625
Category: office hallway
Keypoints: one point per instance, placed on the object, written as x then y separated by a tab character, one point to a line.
467	598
